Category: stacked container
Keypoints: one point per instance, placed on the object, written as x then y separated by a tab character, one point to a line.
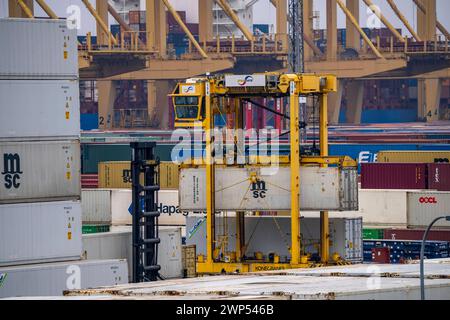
40	189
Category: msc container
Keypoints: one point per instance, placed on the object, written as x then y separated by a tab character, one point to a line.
117	175
96	206
393	176
40	232
39	171
414	156
52	279
272	235
117	244
439	177
39	109
424	207
416	234
27	54
320	188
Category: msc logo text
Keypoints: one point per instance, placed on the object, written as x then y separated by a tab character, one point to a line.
11	170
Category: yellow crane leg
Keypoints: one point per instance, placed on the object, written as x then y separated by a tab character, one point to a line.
295	174
383	19
229	12
404	20
25	9
324	223
99	20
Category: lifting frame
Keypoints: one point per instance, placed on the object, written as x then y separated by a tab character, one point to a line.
208	93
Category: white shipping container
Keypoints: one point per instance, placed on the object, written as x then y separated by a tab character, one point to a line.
167	205
39	109
117	244
96	206
38	49
40	232
273	235
52	279
425	206
266	189
39	171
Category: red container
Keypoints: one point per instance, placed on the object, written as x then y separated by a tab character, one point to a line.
134	17
381	255
439	176
393	176
411	234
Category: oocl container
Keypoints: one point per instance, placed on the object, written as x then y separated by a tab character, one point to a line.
39	171
414	156
42	109
37	49
40	232
52	279
439	177
393	176
424	207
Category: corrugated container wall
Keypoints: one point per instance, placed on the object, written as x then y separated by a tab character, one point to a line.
39	171
117	175
39	109
424	207
393	176
40	232
52	279
439	177
96	206
37	48
411	234
321	189
414	156
96	202
117	244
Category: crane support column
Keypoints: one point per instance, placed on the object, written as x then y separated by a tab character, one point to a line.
427	20
355	91
281	14
295	174
205	27
331	30
16	9
353	38
106	97
156	26
429	98
308	28
324	222
334	102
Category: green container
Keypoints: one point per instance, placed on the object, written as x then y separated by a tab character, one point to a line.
91	228
373	234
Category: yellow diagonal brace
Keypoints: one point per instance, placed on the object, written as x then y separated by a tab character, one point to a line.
99	20
383	19
177	18
404	20
229	12
439	25
25	9
47	9
361	32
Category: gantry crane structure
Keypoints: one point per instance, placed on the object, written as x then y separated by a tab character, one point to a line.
423	56
196	101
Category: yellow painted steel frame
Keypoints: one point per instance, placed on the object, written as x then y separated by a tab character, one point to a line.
291	85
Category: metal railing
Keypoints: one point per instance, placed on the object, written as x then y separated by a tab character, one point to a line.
131	118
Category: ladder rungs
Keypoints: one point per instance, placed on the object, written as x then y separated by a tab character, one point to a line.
151	241
152	268
151	214
150	188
